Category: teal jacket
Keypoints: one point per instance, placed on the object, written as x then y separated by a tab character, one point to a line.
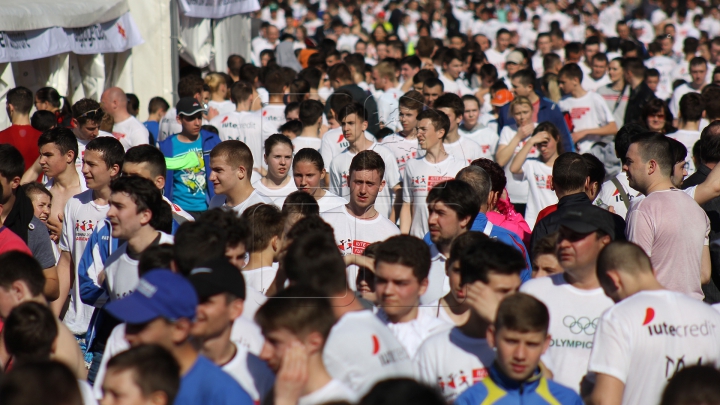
498	389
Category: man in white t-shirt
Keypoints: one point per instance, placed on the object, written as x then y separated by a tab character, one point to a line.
404	143
500	51
333	141
221	289
665	65
649	335
402	265
354	123
360	351
85	211
231	165
591	118
688	133
462	148
422	174
265	223
473	129
242	124
574	298
597	76
273	114
698	71
126	129
678	245
452	66
385	79
455	360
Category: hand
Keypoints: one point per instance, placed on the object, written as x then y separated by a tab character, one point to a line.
292	376
358	260
212	113
525	131
483	300
55	227
540	137
578	135
611	209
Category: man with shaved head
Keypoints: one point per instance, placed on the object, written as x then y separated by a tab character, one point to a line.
649	334
127	129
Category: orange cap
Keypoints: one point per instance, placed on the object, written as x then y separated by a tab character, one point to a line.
501	98
304	56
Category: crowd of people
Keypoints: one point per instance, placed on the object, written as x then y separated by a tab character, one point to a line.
385	202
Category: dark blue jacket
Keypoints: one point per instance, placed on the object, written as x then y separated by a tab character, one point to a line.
209	141
498	389
549	112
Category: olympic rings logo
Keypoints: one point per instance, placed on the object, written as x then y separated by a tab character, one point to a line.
580	325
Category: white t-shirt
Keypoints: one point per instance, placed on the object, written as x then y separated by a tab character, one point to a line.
388	108
246	333
404	149
610	195
273	116
413	333
340	171
223	107
82	216
438	282
687	138
587	112
360	351
253	301
646	338
574	315
680	91
169	125
302	142
252	373
540	192
590	84
121	271
517	186
334	391
353	235
456	86
277	195
666	67
260	279
453	362
419	178
497	58
464	149
242	126
254	198
486	137
330	201
334	143
131	132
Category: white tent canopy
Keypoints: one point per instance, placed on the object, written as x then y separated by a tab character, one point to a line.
39	14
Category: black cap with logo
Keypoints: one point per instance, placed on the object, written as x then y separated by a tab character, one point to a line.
189	106
217	276
586	218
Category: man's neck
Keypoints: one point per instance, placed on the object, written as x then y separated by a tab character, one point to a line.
390	86
68	178
533	97
276	99
258	260
361	144
579	92
585	279
239	194
361	213
411	134
661	184
120	116
7	207
436	153
143	238
244	106
406	317
318	377
101	195
186	356
312	131
697	86
219	349
710	165
452	136
456	307
447	76
20	119
344	303
188	138
475	327
635	82
690	125
271	181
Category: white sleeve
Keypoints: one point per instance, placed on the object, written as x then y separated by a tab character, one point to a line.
505	135
674	104
604	113
426	365
67	236
407	195
611	353
335	180
326	151
392	171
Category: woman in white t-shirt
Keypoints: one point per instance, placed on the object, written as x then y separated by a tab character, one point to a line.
308	172
512	139
538	172
276	184
218	93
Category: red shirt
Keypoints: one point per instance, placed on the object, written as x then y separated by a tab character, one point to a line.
25	139
9	241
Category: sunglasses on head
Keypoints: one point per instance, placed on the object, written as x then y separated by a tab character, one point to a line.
93	115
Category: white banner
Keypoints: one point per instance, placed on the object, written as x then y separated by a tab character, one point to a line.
114	36
217	8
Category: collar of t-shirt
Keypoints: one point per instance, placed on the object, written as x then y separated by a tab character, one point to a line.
136	256
508	384
536	110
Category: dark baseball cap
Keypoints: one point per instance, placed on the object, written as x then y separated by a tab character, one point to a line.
217	276
587	218
189	106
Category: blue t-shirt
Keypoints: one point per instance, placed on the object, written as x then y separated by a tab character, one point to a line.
206	383
153	127
190	185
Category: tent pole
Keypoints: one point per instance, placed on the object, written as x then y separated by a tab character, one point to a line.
174	41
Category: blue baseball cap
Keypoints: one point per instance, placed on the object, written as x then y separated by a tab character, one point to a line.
159	294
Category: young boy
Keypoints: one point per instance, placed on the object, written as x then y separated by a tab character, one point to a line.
385	79
422	174
157	108
273	114
404	143
41	199
142	375
471	127
265	222
521	322
432	88
230	172
452	66
590	115
190	187
310	115
295	334
292	129
463	149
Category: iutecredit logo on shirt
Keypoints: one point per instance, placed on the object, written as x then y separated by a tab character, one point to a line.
683	330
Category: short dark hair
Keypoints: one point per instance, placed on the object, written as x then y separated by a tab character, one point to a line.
146	196
522	313
310	112
496	172
635	66
573	47
439	119
412	100
451	101
12	163
59	385
133	104
458	196
402	391
424	75
408	251
190	85
695	384
545	246
34	188
488	71
300	202
155	257
29	332
697	61
21	98
413	61
264	221
83	107
63	138
154	369
315	260
478	178
652	73
486	256
433	82
711	101
240	91
526	76
149	155
623	137
572	71
349	109
111	149
550	60
655	146
710	141
691	107
197	242
299	309
450	55
156	104
235	228
569	172
19	266
596	169
235	152
367	160
293	126
43	120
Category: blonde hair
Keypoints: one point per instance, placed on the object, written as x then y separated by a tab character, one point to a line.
387	70
520	101
214	80
552	90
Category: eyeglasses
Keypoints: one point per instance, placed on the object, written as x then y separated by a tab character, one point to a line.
93	115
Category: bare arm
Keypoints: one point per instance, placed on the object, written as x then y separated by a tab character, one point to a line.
710	188
64	272
405	218
32	173
519	159
396	194
608	391
609	129
706	268
52	284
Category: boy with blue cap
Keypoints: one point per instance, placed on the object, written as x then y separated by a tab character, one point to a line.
161	311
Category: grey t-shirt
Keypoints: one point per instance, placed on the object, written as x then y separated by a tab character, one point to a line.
40	244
